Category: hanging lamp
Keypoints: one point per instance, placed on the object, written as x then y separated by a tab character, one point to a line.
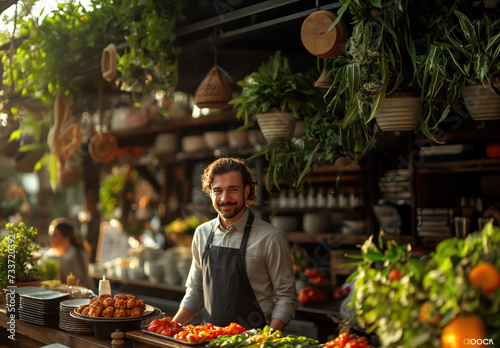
215	90
324	80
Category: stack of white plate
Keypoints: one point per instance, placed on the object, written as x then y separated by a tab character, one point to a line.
41	307
18	291
68	323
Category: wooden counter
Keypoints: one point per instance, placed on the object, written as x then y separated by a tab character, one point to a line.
32	336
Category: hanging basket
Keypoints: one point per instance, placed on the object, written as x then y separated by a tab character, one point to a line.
215	91
318	40
276	125
483	104
109	60
400	112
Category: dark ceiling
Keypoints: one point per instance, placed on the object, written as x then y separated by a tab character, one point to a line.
246	33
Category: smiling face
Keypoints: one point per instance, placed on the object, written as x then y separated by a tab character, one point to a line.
229	196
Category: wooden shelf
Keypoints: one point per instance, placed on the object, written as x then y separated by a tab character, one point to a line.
464	166
485	134
147	133
326	238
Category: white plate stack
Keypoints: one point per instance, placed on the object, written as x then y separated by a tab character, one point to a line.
395	185
68	323
41	307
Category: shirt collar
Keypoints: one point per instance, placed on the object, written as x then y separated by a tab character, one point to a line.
238	225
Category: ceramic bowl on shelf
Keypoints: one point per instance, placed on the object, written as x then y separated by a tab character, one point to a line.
193	143
354	227
165	144
313	223
215	139
285	223
236	138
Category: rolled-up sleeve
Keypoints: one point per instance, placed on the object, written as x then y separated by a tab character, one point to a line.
193	299
280	266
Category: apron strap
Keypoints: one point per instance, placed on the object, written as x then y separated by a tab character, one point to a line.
210	236
246	233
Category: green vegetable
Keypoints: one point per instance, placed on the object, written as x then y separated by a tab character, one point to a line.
263	338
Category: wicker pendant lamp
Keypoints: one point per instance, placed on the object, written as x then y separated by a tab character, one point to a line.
215	91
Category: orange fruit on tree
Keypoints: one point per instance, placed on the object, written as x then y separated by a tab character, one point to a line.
425	314
458	332
485	277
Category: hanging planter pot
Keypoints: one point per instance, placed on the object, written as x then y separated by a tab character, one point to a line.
215	91
483	104
276	125
400	112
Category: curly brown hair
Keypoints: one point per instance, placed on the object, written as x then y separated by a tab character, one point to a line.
225	165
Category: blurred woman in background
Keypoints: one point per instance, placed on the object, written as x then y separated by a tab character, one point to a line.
69	251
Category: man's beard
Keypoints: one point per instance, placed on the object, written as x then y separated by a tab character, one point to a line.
229	214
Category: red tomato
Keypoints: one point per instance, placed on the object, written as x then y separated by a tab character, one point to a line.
493	150
395	274
343	338
182	335
192	338
352	344
362	342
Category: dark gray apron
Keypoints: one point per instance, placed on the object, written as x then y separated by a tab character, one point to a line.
227	285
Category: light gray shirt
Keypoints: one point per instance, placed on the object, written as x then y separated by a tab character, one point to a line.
268	261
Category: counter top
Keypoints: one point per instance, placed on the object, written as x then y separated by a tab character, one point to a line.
140	337
31	335
34	336
144	287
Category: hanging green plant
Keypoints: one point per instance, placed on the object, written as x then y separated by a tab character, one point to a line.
64	48
150	50
324	140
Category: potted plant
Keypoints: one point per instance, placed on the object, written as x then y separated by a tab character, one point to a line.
473	51
384	57
18	264
380	59
276	97
181	230
324	140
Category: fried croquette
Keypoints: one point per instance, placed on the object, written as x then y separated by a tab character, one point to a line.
120	297
132	303
86	311
81	308
109	302
120	304
95	311
137	311
119	313
104	296
108	312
